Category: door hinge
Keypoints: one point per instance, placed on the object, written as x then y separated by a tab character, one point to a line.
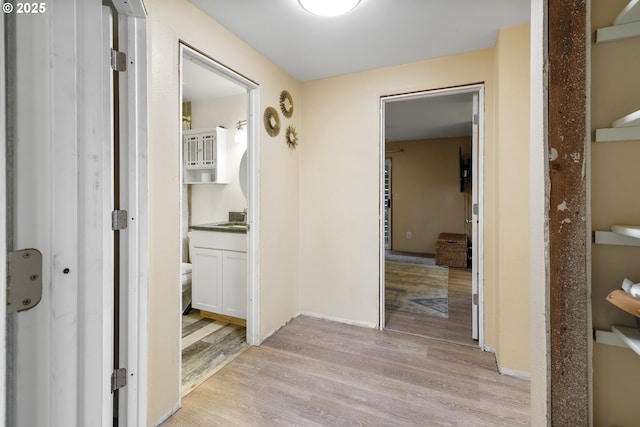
476	119
475	299
118	379
24	279
118	220
118	60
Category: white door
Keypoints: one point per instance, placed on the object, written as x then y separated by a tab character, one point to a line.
475	241
59	201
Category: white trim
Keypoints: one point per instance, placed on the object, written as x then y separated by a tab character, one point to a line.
253	209
3	233
134	107
369	325
523	375
539	217
253	198
473	88
381	249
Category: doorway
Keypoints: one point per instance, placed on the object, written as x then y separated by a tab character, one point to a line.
217	145
431	267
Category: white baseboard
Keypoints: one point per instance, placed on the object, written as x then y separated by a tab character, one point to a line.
369	325
166	416
523	375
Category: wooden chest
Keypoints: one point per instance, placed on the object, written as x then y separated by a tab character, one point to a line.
451	250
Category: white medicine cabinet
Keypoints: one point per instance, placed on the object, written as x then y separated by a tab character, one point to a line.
205	156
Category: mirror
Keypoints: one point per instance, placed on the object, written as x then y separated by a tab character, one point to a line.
242	172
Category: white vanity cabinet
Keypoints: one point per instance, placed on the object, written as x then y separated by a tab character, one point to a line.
219	277
204	153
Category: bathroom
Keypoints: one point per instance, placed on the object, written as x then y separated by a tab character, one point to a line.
210	102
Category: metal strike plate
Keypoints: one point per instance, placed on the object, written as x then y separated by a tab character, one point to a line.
25	279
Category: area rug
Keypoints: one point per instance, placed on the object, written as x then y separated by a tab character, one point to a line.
409	258
417	288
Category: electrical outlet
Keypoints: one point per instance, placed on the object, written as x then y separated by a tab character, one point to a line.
408	234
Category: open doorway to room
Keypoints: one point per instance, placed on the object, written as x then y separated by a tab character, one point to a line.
216	114
431	239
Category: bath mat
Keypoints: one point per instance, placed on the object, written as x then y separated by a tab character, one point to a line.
417	288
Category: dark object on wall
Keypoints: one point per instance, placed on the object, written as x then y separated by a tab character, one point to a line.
451	250
465	172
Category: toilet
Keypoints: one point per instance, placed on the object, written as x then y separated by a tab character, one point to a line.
185	281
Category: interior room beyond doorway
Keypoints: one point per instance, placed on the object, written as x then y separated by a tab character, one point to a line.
431	210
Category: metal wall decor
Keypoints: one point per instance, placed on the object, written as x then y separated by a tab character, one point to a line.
292	137
271	121
286	104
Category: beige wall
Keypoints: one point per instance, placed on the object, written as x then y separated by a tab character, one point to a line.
168	21
340	176
426	197
212	202
510	193
615	176
320	202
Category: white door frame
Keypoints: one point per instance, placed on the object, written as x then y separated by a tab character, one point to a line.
253	198
479	274
3	234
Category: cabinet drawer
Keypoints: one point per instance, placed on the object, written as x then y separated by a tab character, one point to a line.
219	240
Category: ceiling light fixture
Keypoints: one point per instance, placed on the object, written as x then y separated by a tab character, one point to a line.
328	7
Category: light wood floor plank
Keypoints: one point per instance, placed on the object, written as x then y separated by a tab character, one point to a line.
320	373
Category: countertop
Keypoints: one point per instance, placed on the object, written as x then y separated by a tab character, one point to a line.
223	226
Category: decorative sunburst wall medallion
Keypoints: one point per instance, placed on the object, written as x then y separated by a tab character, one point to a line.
271	121
286	104
292	137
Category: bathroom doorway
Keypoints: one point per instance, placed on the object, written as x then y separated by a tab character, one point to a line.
431	267
218	151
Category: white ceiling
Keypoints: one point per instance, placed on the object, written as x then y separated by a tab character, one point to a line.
378	33
199	83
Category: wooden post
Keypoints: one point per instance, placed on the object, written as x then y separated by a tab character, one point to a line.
568	144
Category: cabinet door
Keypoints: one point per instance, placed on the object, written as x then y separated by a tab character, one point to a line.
234	291
206	280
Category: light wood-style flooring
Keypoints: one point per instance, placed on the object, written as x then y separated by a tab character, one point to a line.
320	373
207	345
456	328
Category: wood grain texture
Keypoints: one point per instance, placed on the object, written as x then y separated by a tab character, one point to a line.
207	346
319	373
456	328
569	305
